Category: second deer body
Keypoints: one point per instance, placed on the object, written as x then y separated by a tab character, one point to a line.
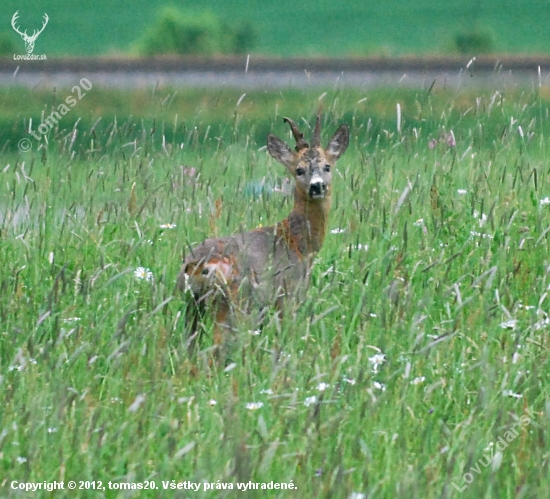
267	266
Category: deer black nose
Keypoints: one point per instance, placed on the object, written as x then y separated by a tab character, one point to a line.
317	189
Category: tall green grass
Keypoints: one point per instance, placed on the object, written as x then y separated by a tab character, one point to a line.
436	258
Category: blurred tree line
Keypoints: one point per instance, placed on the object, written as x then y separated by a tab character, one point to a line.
201	33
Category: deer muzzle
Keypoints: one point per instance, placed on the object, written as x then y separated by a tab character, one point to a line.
317	188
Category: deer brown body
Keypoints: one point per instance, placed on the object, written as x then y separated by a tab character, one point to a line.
267	266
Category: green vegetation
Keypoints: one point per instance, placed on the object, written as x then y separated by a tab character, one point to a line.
287	28
196	34
7	44
438	261
476	41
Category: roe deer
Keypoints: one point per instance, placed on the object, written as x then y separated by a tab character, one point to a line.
268	265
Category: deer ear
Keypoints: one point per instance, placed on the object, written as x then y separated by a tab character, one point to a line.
338	143
280	151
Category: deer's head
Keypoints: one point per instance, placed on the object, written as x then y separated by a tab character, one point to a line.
29	40
311	166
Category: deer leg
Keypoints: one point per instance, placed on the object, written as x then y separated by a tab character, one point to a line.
221	336
193	319
222	324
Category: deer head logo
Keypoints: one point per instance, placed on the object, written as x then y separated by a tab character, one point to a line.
29	40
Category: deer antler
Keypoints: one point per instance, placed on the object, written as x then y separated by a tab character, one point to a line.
317	132
298	137
13	20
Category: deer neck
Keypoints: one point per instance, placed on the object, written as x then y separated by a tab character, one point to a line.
308	222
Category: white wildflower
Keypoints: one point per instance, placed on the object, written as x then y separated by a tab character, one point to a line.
462	191
377	360
379	386
544	201
143	273
254	406
418	380
541	324
509	324
212	402
310	400
21	460
419	223
510	393
337	231
322	386
71	319
474	233
167	226
269	391
481	219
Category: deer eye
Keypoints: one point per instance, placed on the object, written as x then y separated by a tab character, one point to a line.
300	171
327	168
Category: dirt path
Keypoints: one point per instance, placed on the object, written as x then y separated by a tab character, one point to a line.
257	73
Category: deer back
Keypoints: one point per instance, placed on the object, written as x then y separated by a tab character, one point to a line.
260	264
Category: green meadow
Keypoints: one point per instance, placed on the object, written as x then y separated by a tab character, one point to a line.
407	368
287	28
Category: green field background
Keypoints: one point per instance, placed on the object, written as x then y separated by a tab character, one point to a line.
437	256
437	260
287	28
